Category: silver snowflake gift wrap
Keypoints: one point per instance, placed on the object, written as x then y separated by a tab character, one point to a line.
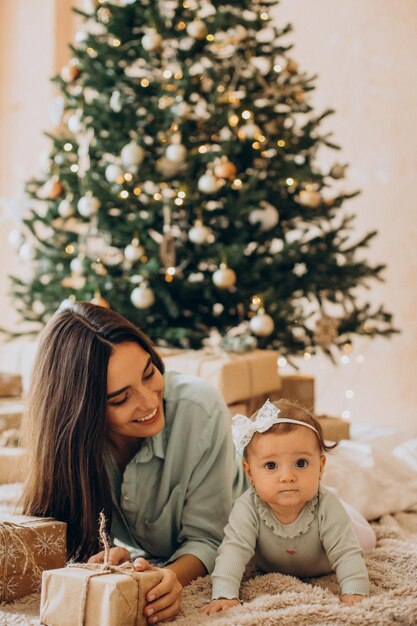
28	546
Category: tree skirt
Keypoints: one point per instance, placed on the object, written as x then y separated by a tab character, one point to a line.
274	599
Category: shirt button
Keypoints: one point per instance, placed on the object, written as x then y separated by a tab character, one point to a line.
126	498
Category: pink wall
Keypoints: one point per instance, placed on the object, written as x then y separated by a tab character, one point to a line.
364	54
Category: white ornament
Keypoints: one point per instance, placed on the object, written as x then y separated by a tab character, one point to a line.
27	252
199	233
88	205
112	256
113	173
197	29
176	152
133	252
248	131
263	64
208	183
90	6
77	266
152	40
267	218
74	123
15	238
115	102
132	154
142	297
56	110
38	307
224	278
182	109
262	324
65	208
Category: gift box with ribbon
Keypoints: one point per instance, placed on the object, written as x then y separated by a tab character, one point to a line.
96	595
28	546
238	377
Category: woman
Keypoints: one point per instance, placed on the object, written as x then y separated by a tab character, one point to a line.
108	430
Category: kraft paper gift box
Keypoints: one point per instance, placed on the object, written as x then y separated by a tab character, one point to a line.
12	465
28	545
11	413
95	596
299	388
334	428
238	377
10	385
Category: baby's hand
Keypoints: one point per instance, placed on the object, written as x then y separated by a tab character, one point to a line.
221	604
351	598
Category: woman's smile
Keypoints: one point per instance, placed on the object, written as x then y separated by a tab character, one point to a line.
147	418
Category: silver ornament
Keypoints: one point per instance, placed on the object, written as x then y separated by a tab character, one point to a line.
142	297
262	324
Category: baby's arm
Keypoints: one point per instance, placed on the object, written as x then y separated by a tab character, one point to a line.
343	549
236	550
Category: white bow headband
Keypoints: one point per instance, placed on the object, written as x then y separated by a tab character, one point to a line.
243	428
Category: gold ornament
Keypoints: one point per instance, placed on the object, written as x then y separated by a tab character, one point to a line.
52	189
224	277
98	300
69	73
225	169
326	331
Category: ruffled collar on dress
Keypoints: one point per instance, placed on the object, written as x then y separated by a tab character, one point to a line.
297	527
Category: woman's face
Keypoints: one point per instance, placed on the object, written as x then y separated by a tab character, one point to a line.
134	393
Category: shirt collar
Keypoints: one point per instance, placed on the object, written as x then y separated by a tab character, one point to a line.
152	446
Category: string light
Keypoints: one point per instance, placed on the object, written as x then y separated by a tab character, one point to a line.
124	194
74	167
144	82
346	414
289	181
69	249
349	394
68	147
282	361
360	359
281	143
344	359
116	43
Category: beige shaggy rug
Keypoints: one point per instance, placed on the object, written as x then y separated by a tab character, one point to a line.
277	600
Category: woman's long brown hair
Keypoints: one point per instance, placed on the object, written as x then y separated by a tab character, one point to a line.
66	430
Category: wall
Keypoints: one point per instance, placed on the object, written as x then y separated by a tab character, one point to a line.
364	54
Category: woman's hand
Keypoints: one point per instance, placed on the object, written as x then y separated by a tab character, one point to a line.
164	600
221	604
351	598
117	556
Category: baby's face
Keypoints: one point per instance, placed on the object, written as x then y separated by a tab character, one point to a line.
285	469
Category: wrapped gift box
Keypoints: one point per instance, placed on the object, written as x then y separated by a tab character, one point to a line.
12	465
238	377
334	428
11	413
298	388
80	596
28	545
10	385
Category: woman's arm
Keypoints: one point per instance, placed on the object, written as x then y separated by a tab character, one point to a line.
187	568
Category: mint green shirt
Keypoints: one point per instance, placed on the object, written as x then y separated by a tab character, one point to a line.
320	540
176	494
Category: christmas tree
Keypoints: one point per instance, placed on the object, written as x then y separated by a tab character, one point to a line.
182	186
